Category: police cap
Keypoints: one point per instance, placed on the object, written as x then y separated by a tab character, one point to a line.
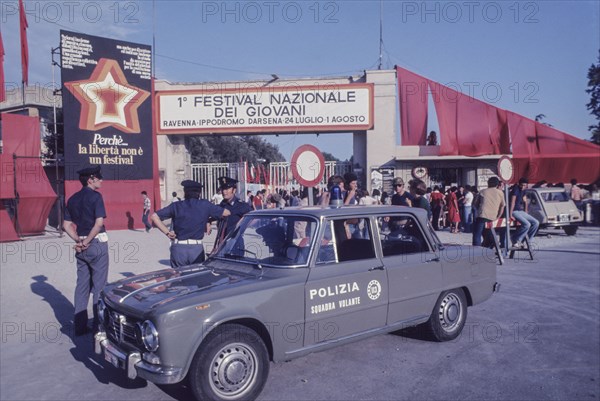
226	182
191	185
89	171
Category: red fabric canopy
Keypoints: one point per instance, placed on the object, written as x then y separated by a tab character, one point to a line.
468	126
412	95
21	137
541	152
7	229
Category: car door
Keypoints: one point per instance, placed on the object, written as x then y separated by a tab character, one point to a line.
414	270
346	291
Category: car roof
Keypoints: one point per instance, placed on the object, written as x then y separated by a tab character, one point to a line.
551	189
319	211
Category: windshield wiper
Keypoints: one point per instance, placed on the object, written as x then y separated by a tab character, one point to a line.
234	256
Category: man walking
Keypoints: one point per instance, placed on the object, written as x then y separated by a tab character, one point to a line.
84	223
146	212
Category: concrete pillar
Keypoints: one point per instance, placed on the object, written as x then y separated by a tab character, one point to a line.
380	141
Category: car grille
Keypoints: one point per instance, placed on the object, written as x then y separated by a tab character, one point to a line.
119	328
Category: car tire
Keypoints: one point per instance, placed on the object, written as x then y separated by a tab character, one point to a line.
232	363
448	316
570	230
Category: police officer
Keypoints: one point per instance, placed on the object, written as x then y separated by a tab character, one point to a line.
189	218
84	223
230	202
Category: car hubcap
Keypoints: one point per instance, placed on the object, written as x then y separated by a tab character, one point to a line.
233	370
450	313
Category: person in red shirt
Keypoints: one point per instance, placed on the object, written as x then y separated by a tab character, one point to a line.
437	206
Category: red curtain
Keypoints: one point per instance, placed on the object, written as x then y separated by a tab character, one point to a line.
541	152
7	229
412	95
446	106
21	137
468	126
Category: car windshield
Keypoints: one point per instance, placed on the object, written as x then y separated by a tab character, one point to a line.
276	241
555	196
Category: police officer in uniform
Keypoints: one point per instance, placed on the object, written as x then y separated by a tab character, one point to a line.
230	202
84	223
189	218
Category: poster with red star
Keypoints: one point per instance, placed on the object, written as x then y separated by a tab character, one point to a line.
107	106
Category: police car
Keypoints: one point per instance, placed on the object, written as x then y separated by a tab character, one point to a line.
286	283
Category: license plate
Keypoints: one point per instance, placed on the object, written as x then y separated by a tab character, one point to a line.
563	218
112	359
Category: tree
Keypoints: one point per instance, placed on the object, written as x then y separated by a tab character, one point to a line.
594	105
232	149
329	157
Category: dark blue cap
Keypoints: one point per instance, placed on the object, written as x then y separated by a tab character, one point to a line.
226	182
89	171
189	184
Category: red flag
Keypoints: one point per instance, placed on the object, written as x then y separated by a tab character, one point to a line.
24	47
2	90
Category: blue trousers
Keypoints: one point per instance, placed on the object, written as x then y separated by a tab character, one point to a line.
478	229
92	273
186	254
529	226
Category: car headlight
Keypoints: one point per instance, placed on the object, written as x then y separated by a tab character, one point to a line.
101	310
149	335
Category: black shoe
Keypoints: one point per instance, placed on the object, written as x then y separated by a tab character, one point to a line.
80	323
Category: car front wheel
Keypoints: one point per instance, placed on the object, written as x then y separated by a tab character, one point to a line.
570	230
231	364
448	316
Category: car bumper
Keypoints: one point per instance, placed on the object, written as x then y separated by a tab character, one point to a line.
133	364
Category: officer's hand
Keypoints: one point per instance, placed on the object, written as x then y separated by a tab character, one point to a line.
171	234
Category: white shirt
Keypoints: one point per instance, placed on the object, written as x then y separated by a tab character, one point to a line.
468	199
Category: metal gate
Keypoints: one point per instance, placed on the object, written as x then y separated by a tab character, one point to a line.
280	176
208	173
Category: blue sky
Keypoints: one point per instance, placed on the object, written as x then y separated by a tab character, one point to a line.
530	57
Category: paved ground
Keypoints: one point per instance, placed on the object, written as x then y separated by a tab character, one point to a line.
538	339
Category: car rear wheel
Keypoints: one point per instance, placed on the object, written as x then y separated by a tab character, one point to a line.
231	364
448	317
570	230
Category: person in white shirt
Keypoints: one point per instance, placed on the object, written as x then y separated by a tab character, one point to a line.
367	199
468	209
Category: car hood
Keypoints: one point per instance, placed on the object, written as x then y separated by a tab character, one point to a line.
150	290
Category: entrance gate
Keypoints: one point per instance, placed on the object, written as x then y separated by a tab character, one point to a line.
279	178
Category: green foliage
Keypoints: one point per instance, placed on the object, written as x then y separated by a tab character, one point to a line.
594	105
329	157
232	149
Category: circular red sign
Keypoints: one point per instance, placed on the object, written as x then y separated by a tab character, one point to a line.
308	165
506	169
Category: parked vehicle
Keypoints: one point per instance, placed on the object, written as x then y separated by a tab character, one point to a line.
286	283
553	207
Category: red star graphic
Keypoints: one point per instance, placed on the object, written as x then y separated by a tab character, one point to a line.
107	99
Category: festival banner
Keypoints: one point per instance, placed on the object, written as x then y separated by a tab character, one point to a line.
325	108
107	106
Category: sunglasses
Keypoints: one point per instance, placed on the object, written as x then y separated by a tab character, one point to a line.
399	185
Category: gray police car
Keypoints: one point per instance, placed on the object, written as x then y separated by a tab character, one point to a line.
286	283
